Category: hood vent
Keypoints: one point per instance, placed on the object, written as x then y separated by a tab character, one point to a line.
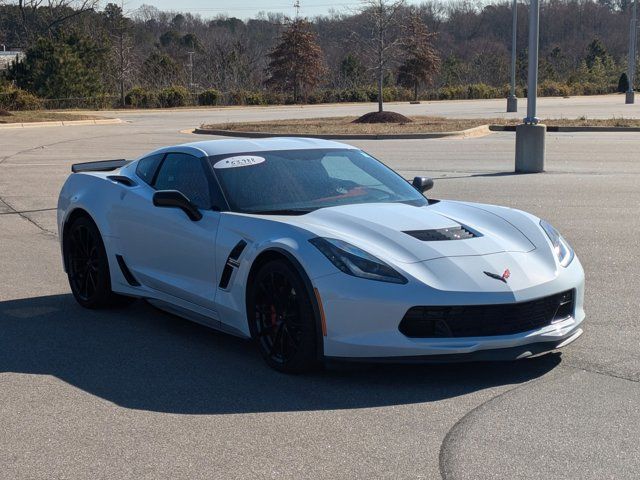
454	233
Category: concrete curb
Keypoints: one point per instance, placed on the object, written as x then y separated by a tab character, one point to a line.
66	123
479	131
512	128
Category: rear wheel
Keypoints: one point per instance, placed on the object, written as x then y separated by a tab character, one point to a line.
282	319
88	266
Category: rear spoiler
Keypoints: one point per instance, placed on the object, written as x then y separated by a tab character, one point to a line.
99	166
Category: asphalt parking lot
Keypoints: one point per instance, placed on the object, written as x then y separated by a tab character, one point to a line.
136	393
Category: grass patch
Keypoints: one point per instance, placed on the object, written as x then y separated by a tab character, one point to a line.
345	125
43	116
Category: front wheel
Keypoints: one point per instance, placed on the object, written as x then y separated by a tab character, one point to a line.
88	266
282	319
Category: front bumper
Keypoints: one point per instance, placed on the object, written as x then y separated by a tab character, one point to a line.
492	355
362	318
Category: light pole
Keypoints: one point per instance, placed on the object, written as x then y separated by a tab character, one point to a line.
532	69
530	136
512	100
191	71
631	67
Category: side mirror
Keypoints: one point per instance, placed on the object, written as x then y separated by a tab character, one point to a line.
176	199
422	184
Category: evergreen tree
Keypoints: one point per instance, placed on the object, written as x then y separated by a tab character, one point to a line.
421	61
160	70
67	68
598	73
296	63
351	71
595	50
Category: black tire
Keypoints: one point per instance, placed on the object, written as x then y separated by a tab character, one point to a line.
88	267
282	319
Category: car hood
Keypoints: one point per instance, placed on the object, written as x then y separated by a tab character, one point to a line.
380	228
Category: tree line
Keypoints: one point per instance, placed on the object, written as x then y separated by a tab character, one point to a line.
384	50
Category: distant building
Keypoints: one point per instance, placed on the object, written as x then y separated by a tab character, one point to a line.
7	57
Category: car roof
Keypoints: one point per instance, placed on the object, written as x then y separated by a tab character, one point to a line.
244	145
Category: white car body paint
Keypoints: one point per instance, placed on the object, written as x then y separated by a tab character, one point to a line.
179	262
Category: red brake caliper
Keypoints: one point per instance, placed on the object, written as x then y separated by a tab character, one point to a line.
274	318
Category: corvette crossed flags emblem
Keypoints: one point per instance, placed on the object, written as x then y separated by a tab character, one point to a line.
502	278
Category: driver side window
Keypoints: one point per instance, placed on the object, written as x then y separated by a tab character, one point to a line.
186	174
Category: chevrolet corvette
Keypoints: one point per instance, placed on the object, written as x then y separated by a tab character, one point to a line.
315	250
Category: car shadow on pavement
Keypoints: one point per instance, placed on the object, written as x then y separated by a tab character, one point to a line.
489	175
141	358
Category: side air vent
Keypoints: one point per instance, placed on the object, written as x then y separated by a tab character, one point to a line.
122	179
232	262
454	233
128	276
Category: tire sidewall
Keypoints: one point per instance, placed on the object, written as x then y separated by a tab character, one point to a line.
102	296
305	358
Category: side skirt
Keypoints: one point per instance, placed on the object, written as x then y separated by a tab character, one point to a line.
194	317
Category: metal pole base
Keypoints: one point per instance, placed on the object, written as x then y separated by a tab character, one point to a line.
630	97
530	140
512	104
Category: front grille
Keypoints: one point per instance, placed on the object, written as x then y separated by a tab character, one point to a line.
439	234
486	320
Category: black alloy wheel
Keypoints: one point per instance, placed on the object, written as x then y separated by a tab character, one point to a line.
88	266
282	318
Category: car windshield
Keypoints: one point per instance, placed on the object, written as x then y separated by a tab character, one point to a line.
300	181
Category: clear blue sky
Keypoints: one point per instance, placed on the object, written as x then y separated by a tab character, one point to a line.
247	8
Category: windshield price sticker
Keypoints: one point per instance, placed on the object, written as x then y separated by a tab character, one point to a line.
239	161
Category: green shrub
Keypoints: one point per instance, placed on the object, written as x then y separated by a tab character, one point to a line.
174	96
396	94
339	95
255	98
453	92
332	95
314	98
592	88
209	97
246	97
17	99
275	98
103	101
356	95
506	91
370	94
482	90
549	88
138	97
237	97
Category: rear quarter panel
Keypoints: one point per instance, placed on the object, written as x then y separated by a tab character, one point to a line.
94	193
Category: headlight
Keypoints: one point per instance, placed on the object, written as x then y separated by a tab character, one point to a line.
560	246
353	261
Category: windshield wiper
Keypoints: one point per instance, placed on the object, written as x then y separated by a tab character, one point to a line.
284	211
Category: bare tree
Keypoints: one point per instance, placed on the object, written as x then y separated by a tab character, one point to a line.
52	12
122	48
382	18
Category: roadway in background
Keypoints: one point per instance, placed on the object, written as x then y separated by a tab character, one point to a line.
137	393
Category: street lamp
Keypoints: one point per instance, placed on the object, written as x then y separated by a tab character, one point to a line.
631	67
530	135
512	100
